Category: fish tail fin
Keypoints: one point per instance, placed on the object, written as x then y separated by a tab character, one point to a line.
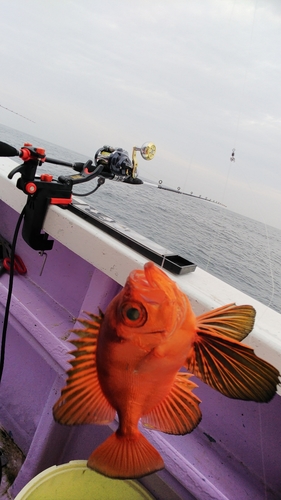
125	457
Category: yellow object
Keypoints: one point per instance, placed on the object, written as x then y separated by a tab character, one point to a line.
148	150
75	481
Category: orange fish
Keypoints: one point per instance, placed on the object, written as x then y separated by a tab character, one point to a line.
128	361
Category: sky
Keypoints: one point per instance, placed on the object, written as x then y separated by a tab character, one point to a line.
198	78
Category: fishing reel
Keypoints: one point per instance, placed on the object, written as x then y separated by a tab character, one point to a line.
117	164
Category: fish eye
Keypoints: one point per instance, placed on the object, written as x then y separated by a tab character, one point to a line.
133	314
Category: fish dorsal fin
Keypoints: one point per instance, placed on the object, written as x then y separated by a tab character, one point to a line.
232	321
232	368
82	400
179	412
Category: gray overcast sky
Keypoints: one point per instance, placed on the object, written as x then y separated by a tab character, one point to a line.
197	77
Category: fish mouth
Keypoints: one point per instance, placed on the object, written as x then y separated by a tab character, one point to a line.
155	276
150	276
151	285
137	277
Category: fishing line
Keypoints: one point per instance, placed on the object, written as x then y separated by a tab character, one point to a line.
10	290
189	164
15	113
203	109
237	129
226	184
199	119
246	72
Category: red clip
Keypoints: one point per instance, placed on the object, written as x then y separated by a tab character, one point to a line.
30	188
60	201
46	177
25	154
40	151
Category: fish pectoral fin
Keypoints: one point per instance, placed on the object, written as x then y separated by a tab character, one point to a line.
125	457
179	412
232	368
232	321
82	400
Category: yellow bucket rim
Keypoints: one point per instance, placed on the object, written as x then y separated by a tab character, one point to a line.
65	482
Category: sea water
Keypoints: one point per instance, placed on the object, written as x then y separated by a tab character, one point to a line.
241	251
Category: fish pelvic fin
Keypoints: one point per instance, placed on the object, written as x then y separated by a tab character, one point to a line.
179	412
126	457
82	400
232	321
232	368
